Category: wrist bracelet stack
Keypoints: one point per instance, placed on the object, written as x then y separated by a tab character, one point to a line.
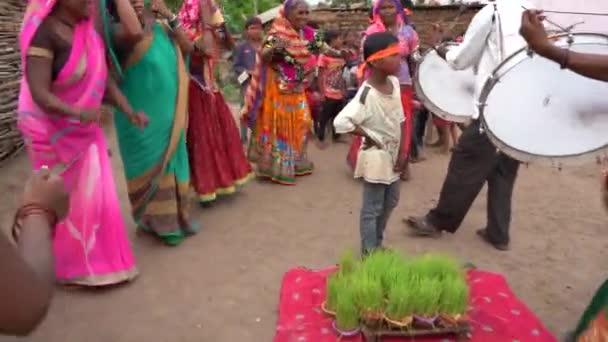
32	209
174	23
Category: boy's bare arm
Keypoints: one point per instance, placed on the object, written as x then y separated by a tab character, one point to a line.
402	160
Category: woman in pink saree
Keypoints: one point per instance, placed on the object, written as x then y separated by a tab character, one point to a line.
64	82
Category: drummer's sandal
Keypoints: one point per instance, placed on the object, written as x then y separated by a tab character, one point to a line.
421	227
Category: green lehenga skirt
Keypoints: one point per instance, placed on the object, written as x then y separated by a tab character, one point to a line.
593	325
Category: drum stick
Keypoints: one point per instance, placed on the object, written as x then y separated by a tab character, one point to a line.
461	11
577	13
563	29
463	8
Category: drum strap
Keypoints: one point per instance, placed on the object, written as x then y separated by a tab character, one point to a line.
364	94
496	21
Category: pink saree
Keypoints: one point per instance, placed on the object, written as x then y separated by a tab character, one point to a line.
91	246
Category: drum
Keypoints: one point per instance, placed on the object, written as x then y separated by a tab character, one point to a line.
446	92
534	111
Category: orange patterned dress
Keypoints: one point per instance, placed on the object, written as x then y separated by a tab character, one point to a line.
593	326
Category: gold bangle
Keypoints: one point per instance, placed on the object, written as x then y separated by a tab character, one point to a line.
32	209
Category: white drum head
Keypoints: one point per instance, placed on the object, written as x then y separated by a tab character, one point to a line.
536	112
446	92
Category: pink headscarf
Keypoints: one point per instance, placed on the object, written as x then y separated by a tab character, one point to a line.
377	24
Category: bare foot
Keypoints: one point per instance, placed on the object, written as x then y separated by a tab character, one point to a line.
406	176
320	144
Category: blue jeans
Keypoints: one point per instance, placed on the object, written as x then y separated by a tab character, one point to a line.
379	200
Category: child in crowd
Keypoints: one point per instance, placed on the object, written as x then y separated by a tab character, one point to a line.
446	130
351	45
376	114
331	84
245	59
352	41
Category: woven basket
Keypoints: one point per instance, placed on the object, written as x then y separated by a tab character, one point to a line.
11	14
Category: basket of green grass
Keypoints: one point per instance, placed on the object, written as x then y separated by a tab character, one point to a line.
454	302
347	314
399	311
369	298
332	292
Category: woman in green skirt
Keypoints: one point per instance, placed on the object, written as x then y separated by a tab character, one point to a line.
152	75
593	325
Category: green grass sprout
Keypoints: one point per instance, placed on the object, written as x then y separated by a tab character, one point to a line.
347	313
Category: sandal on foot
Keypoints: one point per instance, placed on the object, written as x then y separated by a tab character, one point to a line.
483	234
422	227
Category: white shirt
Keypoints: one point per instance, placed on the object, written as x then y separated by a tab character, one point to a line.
481	47
380	116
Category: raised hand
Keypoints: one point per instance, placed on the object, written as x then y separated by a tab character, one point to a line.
160	7
533	31
139	119
88	116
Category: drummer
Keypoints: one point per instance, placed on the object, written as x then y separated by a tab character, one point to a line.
475	160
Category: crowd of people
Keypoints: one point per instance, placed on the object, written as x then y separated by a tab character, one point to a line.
177	135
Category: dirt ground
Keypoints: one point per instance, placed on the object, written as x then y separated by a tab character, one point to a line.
223	284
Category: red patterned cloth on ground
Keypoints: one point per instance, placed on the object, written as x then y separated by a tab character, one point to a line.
497	315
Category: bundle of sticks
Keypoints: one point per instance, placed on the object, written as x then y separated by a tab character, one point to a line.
11	13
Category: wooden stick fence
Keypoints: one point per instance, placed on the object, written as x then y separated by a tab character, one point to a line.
11	14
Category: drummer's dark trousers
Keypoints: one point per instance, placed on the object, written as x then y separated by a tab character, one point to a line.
474	162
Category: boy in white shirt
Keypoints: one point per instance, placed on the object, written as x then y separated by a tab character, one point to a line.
376	114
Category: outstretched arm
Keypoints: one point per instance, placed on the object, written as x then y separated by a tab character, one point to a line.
589	65
26	289
585	64
114	97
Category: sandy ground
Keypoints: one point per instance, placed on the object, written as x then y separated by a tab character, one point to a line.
223	284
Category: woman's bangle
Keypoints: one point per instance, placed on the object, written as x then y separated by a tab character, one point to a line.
28	210
177	26
174	21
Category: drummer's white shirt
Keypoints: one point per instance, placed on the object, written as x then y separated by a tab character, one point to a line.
480	48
